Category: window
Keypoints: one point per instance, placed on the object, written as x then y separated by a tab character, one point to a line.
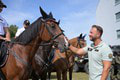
118	34
117	2
117	16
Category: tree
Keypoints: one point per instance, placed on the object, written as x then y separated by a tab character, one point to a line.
13	30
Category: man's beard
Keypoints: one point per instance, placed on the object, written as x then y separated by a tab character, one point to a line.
93	39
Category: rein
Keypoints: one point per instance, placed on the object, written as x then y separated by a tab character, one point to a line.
17	57
45	44
78	43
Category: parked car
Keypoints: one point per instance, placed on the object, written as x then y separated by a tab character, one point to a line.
81	63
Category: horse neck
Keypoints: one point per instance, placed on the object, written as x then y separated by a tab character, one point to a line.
43	52
32	48
73	42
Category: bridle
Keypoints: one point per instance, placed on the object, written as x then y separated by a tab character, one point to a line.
50	42
78	42
46	26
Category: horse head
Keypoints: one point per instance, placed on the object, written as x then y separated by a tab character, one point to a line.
81	42
52	31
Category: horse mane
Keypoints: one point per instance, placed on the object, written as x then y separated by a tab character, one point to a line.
30	33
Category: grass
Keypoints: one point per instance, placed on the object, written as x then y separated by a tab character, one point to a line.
76	76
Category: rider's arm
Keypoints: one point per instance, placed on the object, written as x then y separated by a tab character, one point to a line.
7	38
6	30
77	51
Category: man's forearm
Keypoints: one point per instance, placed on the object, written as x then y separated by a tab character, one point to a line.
73	49
77	51
105	74
7	38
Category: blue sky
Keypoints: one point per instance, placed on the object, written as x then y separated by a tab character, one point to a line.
77	16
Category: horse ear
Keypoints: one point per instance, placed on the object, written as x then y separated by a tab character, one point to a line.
80	36
84	37
50	15
58	22
44	14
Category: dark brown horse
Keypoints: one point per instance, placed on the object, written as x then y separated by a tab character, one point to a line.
40	62
65	61
24	47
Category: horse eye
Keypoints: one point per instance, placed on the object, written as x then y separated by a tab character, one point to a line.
53	26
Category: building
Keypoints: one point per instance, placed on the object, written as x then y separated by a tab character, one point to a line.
108	16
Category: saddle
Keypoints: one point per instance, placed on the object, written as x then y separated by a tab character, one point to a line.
3	54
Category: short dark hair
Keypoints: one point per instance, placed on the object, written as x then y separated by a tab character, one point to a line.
99	29
26	22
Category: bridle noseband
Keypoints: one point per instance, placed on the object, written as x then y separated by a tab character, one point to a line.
53	36
78	42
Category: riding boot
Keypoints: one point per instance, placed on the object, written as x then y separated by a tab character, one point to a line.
2	76
0	47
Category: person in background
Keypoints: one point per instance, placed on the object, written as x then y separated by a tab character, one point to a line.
26	24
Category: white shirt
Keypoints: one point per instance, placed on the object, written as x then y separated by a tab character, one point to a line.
96	55
19	31
3	24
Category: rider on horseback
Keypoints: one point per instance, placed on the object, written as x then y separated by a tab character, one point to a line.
4	30
4	36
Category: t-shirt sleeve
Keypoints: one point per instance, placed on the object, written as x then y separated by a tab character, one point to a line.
5	23
107	54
